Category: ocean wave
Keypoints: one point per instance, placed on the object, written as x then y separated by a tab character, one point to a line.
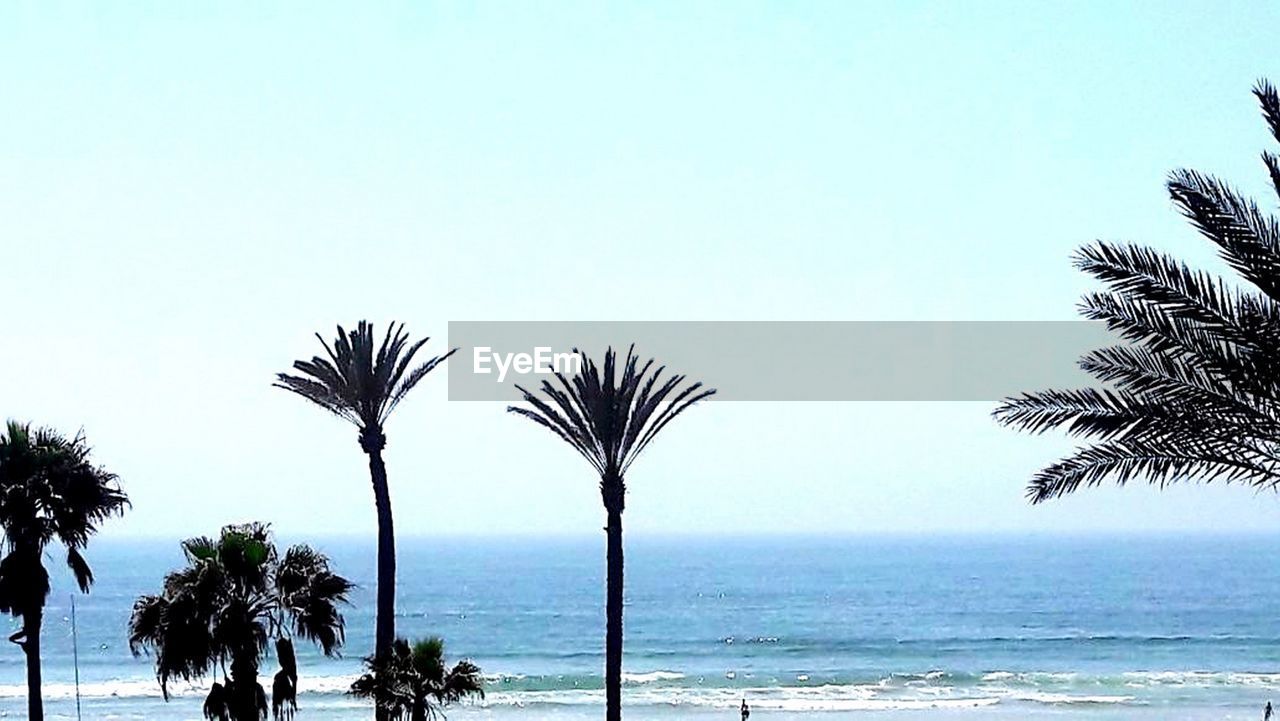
793	699
933	675
150	688
1064	698
1134	679
651	677
793	691
1200	678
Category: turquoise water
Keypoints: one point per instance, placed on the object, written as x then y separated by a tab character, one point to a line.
889	628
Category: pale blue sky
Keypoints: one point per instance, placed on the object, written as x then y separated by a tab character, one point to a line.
188	190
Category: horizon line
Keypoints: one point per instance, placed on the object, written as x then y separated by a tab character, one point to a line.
757	535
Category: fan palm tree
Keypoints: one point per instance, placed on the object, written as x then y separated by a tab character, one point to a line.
361	382
1194	394
50	493
413	683
234	597
609	418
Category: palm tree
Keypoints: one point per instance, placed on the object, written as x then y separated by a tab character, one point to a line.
413	683
1194	395
362	382
234	597
50	492
609	419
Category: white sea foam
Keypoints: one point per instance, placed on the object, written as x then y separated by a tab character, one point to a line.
150	688
673	688
1065	698
651	677
794	699
1200	678
797	698
104	689
1135	679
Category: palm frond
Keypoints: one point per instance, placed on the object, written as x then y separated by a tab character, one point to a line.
360	379
1157	462
80	569
317	392
1265	92
1201	349
176	629
463	680
686	398
229	603
1146	275
284	686
1157	376
1195	395
217	704
570	427
310	594
1086	411
609	413
1247	239
413	681
402	388
50	492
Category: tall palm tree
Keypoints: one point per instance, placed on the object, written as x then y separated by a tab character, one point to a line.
220	613
361	382
609	419
414	684
50	492
1194	394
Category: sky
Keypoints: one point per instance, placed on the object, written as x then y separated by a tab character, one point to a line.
189	191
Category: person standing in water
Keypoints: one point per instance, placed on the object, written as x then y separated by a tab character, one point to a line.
746	711
1266	711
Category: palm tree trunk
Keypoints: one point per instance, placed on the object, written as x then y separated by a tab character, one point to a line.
31	621
243	687
613	618
385	630
372	441
386	624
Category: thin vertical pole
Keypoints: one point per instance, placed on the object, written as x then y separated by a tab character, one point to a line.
75	653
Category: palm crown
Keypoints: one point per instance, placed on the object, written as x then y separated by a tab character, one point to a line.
359	379
1195	393
610	417
222	610
49	492
413	683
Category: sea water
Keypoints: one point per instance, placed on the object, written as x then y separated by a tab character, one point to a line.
856	627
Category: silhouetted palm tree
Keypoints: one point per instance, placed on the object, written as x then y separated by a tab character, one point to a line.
1195	395
361	382
236	596
609	419
49	493
413	683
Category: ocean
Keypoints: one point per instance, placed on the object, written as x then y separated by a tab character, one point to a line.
1155	627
